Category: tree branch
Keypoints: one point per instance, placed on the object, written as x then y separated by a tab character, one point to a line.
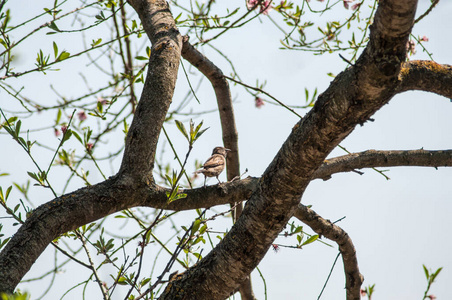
353	279
426	76
91	203
223	95
378	158
351	99
144	132
138	161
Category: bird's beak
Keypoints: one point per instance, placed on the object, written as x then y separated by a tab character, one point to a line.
227	149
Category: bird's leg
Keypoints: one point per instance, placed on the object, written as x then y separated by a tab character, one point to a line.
205	178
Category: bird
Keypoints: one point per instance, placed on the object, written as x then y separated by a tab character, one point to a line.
214	165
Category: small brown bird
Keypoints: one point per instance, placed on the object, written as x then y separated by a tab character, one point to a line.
215	164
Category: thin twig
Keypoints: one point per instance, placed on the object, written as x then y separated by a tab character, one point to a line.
329	275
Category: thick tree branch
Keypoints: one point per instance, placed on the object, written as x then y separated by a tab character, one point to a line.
143	135
426	76
137	165
378	158
351	99
353	279
243	189
89	204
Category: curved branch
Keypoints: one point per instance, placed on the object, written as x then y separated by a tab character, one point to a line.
223	95
353	278
429	76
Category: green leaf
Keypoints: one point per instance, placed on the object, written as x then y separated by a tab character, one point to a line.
96	42
5	241
8	190
67	135
145	281
55	49
299	238
181	127
17	131
195	226
53	26
177	18
77	136
34	176
311	239
122	280
200	133
433	276
180	196
427	275
203	229
58	118
63	55
298	229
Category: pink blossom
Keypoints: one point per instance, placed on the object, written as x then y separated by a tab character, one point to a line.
258	102
411	47
64	129
275	247
102	101
82	115
356	6
251	3
431	297
89	147
423	39
265	7
57	132
346	2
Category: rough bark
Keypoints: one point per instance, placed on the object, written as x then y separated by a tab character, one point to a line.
389	158
89	204
351	99
426	76
144	132
138	161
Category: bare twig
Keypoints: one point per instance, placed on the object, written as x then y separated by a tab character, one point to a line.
92	267
432	6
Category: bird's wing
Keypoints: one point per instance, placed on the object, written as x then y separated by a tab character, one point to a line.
214	161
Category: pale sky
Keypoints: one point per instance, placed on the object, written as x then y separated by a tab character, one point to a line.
396	225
